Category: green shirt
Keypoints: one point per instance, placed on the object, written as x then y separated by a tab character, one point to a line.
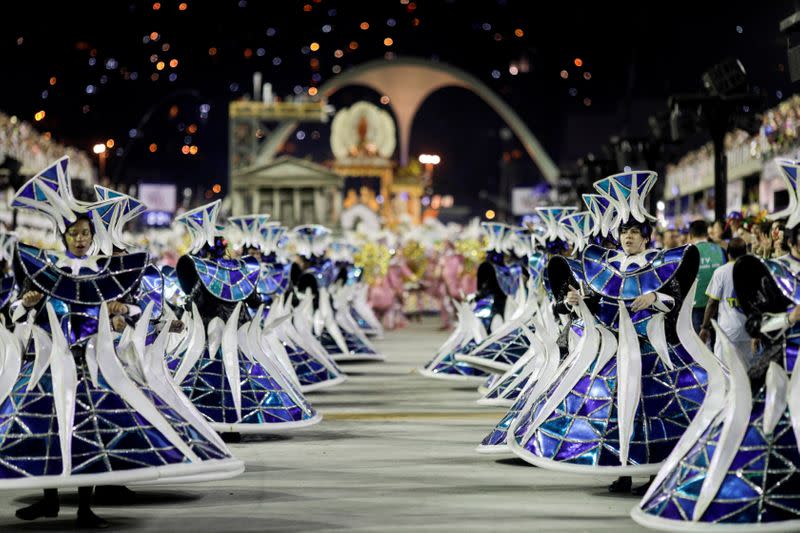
712	256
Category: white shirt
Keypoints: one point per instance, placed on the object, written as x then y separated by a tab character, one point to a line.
730	319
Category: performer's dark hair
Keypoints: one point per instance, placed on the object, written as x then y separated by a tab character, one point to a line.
736	248
644	227
790	236
217	251
698	228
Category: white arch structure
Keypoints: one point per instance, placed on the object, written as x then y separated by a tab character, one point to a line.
408	83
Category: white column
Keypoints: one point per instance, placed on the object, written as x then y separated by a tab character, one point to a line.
319	208
296	206
276	204
255	200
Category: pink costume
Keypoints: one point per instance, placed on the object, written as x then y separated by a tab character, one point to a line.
450	271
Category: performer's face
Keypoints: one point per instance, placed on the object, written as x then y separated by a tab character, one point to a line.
79	238
632	240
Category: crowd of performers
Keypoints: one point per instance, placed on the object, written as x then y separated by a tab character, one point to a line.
118	371
583	330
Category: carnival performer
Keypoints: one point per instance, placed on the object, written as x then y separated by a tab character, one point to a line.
483	313
310	362
508	344
354	277
345	287
448	273
71	415
375	297
313	285
145	345
736	467
227	370
550	338
632	386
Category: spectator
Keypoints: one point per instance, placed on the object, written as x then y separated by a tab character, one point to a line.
762	240
792	258
778	241
670	238
723	306
711	258
716	234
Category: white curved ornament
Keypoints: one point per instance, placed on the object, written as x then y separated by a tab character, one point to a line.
585	353
629	380
715	392
776	398
11	362
657	336
197	343
736	420
65	386
119	381
230	359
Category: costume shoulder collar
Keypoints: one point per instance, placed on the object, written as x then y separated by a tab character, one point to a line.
103	279
232	280
614	274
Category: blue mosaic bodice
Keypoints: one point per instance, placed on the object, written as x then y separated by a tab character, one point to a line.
324	272
602	271
76	297
151	289
230	280
537	261
508	277
273	279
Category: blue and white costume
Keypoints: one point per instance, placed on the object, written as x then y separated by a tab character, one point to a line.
313	288
70	412
630	387
228	370
482	313
737	467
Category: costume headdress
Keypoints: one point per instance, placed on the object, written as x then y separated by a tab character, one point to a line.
249	229
126	208
498	235
311	240
578	227
49	192
202	225
605	217
626	192
551	216
272	237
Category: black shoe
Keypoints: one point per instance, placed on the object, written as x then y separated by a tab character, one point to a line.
641	491
113	494
88	520
231	437
40	509
622	484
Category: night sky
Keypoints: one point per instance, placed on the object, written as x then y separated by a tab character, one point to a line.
632	57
